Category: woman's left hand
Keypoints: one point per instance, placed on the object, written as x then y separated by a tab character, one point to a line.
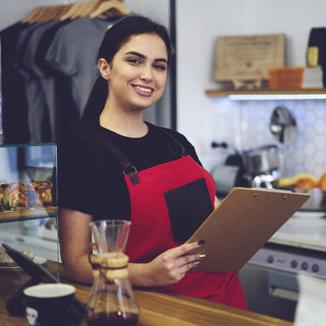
171	266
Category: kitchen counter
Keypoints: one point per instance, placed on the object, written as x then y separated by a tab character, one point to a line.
156	309
304	230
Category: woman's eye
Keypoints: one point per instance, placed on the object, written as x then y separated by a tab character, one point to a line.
134	61
160	67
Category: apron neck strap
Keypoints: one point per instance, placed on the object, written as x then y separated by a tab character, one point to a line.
182	152
129	169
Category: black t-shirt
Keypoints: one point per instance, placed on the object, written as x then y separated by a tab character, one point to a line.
91	178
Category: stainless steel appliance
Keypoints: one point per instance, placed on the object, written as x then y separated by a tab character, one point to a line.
270	277
256	167
262	166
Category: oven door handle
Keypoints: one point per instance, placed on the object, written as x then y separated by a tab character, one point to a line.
283	293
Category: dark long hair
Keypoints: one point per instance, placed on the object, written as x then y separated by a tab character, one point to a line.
114	39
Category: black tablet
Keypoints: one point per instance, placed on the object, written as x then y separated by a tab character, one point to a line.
34	270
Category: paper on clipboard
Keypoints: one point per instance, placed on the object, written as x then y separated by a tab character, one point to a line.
241	225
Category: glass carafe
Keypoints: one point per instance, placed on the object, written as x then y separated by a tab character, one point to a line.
111	300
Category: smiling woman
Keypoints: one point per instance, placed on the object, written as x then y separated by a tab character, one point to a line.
136	76
117	166
134	54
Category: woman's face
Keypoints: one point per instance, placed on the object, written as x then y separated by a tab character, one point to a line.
138	72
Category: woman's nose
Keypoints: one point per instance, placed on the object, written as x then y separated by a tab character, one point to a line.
146	74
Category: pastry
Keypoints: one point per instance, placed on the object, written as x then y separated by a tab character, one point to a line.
306	183
322	181
304	179
44	192
14	196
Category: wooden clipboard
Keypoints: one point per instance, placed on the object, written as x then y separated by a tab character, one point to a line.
241	224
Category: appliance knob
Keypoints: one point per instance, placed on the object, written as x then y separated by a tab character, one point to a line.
304	266
270	259
315	268
294	263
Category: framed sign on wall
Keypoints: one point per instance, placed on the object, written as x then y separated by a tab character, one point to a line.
242	58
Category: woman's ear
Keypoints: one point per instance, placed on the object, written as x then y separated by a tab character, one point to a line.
104	68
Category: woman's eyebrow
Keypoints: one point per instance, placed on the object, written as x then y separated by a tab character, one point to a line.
143	56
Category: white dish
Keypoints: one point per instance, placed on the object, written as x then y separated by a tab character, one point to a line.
39	260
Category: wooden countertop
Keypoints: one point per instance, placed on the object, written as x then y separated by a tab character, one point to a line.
156	309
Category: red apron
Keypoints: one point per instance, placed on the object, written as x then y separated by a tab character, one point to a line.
151	232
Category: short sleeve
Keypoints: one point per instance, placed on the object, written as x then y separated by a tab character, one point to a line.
190	149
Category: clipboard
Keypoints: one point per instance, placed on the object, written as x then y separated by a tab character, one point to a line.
242	224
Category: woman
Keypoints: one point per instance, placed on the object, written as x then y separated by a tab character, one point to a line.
120	167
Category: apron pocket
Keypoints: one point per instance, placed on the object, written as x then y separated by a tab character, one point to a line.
188	207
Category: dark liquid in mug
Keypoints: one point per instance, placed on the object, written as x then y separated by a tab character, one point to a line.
112	319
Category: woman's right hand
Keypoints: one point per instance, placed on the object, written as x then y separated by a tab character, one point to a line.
172	265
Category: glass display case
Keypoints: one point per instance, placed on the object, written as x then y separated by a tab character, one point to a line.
28	209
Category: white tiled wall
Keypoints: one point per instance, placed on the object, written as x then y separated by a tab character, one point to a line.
245	124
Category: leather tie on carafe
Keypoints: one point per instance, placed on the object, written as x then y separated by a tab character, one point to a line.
110	266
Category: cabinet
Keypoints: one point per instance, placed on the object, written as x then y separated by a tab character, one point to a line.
28	209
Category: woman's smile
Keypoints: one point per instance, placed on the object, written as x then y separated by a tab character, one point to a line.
143	90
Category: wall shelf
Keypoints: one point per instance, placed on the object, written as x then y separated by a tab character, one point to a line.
300	94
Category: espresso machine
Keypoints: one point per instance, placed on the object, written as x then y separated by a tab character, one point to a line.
262	166
254	168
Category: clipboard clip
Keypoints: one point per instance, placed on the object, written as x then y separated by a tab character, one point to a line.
255	194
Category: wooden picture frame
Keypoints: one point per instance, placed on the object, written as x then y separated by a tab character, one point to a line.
244	58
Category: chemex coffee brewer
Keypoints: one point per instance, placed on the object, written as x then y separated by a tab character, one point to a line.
111	300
